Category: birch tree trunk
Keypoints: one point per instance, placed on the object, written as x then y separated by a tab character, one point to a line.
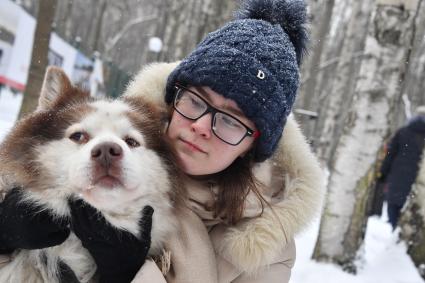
413	87
412	221
39	55
342	88
387	46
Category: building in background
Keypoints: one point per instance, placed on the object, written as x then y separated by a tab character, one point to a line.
16	41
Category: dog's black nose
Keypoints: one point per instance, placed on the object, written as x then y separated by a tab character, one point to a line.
106	153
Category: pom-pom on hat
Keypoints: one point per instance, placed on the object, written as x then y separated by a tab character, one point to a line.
253	60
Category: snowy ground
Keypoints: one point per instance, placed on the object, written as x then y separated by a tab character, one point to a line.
385	259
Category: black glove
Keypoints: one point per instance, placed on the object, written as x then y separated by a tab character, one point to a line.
28	226
118	254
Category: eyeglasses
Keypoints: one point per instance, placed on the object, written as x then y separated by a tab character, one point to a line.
224	126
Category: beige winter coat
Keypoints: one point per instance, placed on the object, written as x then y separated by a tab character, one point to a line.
258	249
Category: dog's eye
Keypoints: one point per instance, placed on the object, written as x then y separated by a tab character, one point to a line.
79	137
131	142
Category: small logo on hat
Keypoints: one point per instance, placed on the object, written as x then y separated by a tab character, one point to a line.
261	75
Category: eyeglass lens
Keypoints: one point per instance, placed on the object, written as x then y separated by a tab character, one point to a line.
224	126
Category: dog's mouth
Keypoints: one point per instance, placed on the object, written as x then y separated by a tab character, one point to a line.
107	181
106	178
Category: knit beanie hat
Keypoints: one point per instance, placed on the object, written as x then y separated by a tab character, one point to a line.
253	60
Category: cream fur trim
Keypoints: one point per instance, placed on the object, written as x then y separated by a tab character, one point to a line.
255	242
150	82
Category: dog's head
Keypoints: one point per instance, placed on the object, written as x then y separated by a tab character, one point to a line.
105	151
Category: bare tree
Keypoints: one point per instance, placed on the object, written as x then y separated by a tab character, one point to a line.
342	87
46	13
327	70
322	21
120	30
98	25
63	18
183	29
376	90
113	41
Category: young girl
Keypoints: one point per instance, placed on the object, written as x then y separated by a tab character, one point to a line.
252	180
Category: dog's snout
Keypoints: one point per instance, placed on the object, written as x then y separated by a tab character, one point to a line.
107	152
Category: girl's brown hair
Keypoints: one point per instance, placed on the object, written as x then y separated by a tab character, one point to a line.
234	184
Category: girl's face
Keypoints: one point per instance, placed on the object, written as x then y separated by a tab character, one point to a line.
199	151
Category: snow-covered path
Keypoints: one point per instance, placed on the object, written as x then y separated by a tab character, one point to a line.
385	259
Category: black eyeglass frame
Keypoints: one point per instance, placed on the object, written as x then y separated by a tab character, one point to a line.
210	109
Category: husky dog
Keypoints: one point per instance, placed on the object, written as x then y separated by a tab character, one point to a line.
109	153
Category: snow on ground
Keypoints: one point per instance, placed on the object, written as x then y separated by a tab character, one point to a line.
385	259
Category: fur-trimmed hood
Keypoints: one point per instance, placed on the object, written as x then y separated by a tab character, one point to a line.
253	242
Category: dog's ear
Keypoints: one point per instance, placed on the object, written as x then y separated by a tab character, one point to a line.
55	83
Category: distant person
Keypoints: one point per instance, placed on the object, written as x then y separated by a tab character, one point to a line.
401	164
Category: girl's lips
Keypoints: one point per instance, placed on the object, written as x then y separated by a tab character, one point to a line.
192	146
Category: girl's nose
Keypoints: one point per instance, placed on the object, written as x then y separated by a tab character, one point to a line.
202	126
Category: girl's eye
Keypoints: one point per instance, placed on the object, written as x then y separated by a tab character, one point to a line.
229	122
196	102
79	137
131	142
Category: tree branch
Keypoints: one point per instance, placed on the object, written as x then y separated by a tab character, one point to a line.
114	40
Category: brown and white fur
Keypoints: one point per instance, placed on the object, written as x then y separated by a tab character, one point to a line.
54	155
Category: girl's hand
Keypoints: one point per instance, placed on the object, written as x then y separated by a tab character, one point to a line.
118	254
28	226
